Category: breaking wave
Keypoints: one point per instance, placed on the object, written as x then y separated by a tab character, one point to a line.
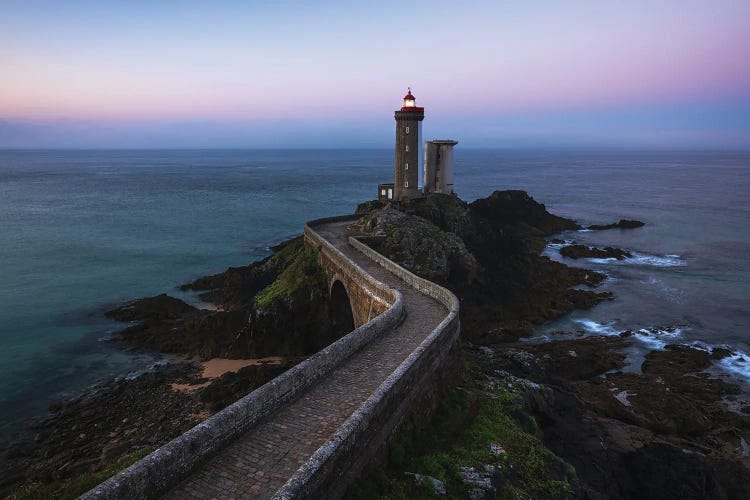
592	326
653	338
657	338
738	363
643	259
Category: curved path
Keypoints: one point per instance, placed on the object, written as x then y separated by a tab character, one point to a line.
260	461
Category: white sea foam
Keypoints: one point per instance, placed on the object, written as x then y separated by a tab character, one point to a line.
592	326
657	338
643	259
653	338
558	246
737	363
637	258
585	230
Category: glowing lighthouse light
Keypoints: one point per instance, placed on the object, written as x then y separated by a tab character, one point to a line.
409	101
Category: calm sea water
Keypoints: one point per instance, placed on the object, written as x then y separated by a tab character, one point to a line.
81	231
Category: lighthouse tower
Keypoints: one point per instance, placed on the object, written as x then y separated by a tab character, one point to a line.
408	151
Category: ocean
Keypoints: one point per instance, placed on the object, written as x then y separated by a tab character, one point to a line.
82	231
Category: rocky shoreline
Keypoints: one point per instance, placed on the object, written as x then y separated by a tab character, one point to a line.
564	418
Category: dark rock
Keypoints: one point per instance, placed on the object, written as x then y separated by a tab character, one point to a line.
160	307
676	361
421	246
516	208
244	327
580	359
718	353
488	252
583	252
622	224
232	386
236	287
95	429
666	426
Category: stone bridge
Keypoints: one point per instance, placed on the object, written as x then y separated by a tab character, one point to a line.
310	431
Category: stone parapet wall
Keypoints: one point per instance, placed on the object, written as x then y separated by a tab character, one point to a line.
342	458
168	464
437	292
368	297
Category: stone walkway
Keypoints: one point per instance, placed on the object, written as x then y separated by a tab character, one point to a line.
259	462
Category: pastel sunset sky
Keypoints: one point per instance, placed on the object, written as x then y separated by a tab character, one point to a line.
636	73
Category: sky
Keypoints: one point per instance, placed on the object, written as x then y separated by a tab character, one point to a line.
99	74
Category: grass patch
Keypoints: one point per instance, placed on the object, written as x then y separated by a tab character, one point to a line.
459	435
302	270
72	488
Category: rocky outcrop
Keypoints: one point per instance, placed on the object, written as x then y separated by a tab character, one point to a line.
621	224
158	308
277	307
586	252
421	246
488	252
662	433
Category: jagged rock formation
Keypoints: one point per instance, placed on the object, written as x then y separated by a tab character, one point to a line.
488	252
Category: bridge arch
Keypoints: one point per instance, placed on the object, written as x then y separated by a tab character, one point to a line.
340	309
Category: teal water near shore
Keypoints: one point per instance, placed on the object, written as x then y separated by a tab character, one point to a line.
81	231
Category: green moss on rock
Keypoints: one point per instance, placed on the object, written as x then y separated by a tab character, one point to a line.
73	488
302	270
461	434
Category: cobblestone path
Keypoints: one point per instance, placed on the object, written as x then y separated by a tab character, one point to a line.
259	462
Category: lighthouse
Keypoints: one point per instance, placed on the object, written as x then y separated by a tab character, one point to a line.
408	151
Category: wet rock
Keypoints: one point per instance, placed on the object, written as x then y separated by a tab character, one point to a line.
160	307
621	224
593	356
584	252
718	353
675	361
617	428
96	428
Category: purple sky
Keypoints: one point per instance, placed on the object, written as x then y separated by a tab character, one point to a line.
673	73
